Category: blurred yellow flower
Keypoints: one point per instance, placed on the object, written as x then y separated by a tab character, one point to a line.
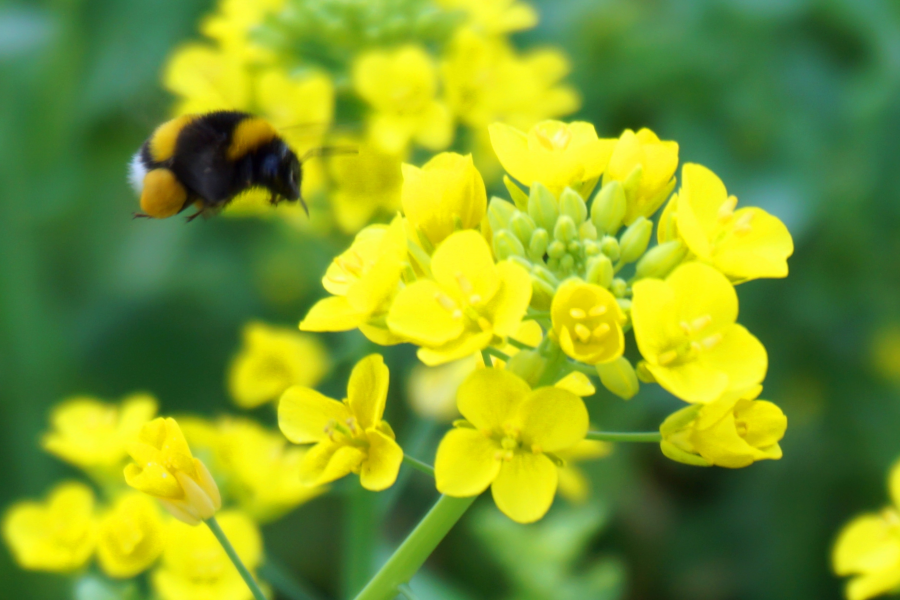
401	85
271	360
205	78
363	184
195	567
646	167
350	435
885	352
445	195
234	21
553	153
364	280
510	434
734	431
469	302
745	244
432	390
495	16
130	536
685	329
58	534
574	486
164	468
587	321
93	435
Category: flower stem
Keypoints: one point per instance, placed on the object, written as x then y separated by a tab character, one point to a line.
239	565
418	545
586	369
495	353
653	437
418	465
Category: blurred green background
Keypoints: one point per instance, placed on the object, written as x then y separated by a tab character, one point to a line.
794	103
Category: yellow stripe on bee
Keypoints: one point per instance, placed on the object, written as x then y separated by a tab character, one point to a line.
250	134
162	142
163	195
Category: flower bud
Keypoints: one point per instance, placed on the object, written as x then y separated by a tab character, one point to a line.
542	207
635	239
587	322
528	364
545	274
556	249
537	247
608	208
643	373
541	293
522	225
618	287
660	260
507	245
446	192
610	247
567	263
587	231
619	378
600	271
572	205
565	229
500	213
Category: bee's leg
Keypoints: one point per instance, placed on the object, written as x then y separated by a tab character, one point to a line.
275	199
140	215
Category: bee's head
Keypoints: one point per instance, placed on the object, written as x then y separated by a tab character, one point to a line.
281	172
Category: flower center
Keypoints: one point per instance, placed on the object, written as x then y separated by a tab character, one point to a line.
348	433
554	139
690	348
588	327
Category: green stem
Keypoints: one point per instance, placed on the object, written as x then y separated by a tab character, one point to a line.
359	539
417	547
537	314
495	353
586	369
518	344
239	565
653	437
418	465
407	592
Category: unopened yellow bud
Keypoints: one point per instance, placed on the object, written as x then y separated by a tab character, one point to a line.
608	208
542	207
500	213
519	197
572	205
635	239
522	225
565	229
528	364
600	271
610	247
661	259
619	378
506	245
537	246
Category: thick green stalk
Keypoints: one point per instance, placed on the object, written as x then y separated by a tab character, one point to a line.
418	465
653	437
229	550
416	548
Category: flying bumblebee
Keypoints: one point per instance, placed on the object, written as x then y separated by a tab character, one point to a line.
207	160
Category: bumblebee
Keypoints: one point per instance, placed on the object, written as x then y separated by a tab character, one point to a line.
207	160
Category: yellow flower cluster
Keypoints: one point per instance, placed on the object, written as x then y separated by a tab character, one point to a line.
868	548
302	65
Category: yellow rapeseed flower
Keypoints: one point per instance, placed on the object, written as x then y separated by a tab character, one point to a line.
205	78
734	431
588	321
468	305
495	16
271	360
868	548
130	536
195	567
686	331
553	153
350	435
363	184
508	442
401	85
574	486
745	244
646	167
443	196
94	435
164	468
58	534
363	281
233	22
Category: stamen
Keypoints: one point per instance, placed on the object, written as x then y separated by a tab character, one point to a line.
601	331
577	313
685	327
536	449
712	340
474	299
445	301
457	314
701	322
599	310
743	227
727	209
464	284
667	357
583	333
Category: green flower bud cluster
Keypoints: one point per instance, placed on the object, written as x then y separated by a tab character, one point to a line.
327	34
557	238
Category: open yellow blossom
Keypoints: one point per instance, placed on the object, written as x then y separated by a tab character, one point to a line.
574	486
401	87
587	321
233	22
206	79
273	359
350	435
745	244
164	468
470	302
686	331
496	16
646	167
868	548
58	534
364	184
553	153
195	567
91	434
511	433
364	280
130	536
443	196
734	431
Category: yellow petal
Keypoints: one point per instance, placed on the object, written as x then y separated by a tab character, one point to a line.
691	381
489	398
367	390
525	487
868	543
332	314
765	423
510	304
759	251
379	470
739	355
304	413
700	200
466	463
874	584
552	419
464	264
459	348
653	316
511	147
326	461
702	292
425	314
578	383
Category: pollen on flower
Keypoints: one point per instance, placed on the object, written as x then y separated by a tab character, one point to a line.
577	313
667	357
743	226
726	210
